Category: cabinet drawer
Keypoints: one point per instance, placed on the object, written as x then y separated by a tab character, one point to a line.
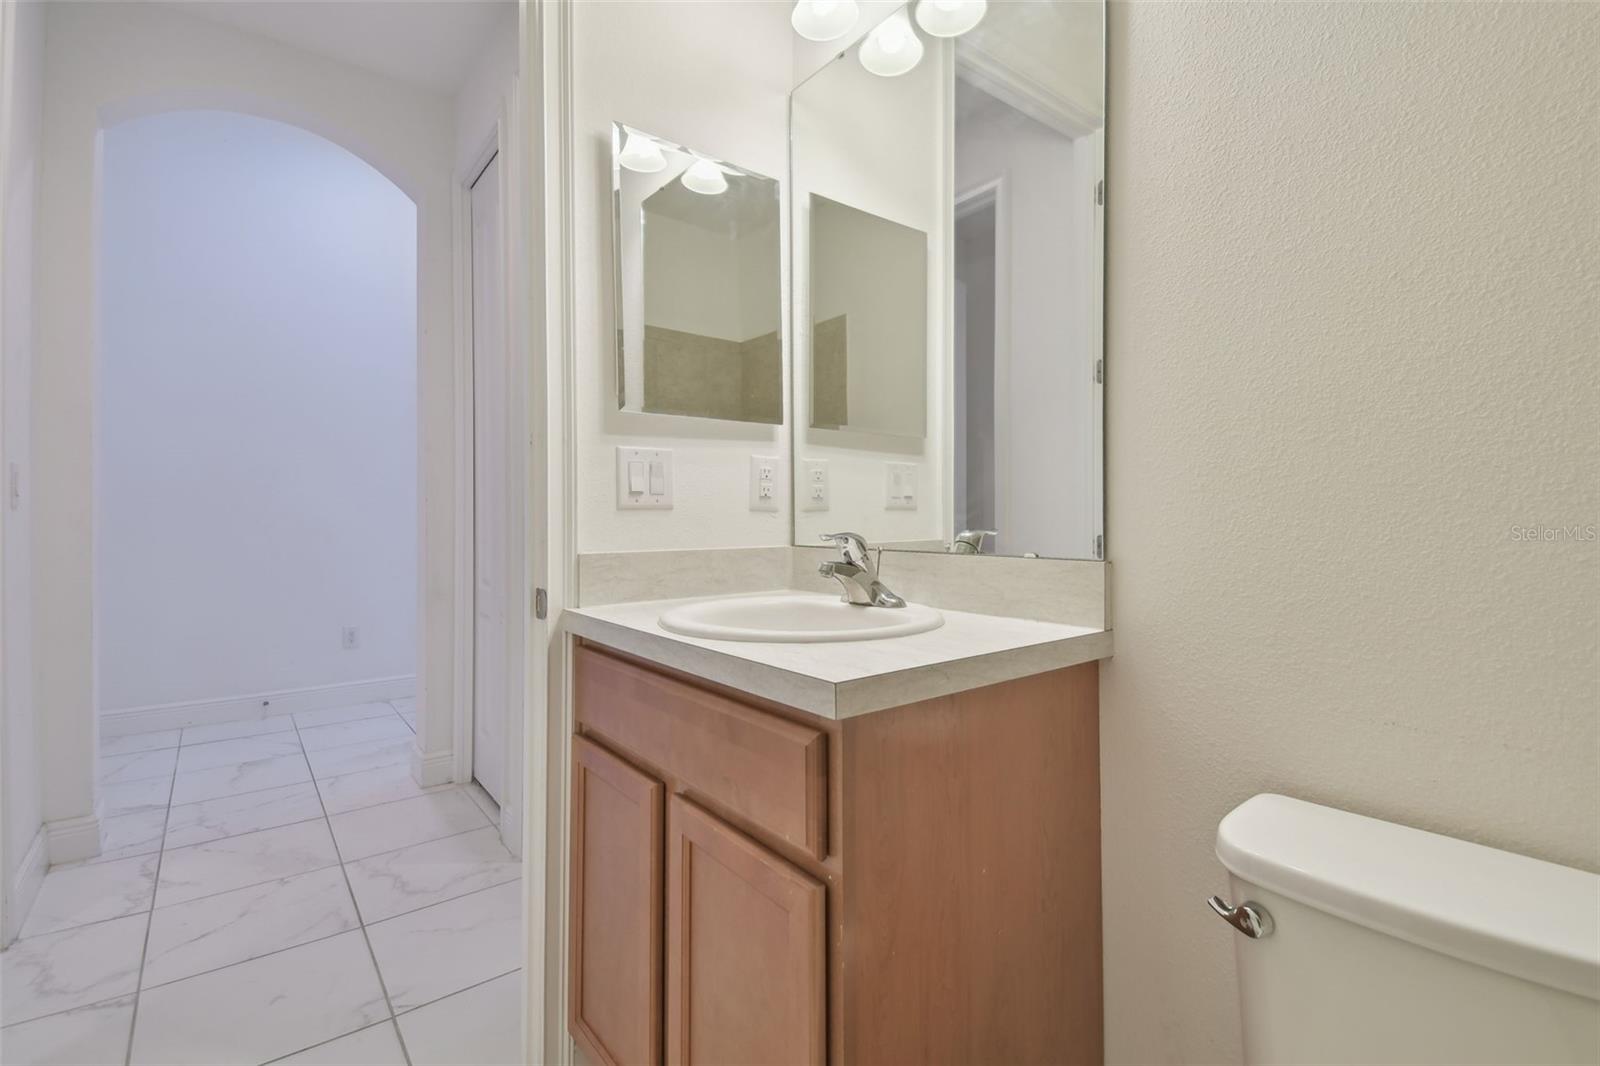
759	766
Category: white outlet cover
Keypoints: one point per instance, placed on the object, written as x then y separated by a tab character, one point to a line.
900	486
764	483
814	491
635	493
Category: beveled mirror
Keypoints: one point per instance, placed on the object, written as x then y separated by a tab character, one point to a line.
698	283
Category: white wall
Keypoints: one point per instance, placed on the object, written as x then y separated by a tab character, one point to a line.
713	77
479	103
256	446
1047	479
21	101
871	143
1352	332
109	62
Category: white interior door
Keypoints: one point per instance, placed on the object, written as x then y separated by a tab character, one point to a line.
491	557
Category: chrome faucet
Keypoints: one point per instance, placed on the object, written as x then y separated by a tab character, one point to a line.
858	573
970	541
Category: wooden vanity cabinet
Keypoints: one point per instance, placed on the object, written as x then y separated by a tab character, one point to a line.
753	885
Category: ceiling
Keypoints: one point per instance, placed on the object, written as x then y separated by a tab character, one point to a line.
434	44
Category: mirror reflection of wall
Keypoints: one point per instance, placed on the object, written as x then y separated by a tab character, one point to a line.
869	299
698	282
1015	108
864	150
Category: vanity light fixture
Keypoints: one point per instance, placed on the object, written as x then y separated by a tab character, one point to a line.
823	20
642	154
704	176
892	48
950	18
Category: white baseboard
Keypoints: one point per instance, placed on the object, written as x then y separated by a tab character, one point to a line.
24	887
434	768
73	839
259	705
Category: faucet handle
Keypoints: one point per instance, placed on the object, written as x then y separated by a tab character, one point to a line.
854	547
970	541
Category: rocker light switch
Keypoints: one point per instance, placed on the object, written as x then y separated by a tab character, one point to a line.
644	479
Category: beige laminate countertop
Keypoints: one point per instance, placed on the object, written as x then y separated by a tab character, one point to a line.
847	678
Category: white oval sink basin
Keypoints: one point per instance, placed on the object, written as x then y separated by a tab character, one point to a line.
796	618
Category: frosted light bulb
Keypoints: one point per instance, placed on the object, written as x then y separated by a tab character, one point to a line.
823	20
642	154
892	48
704	176
949	18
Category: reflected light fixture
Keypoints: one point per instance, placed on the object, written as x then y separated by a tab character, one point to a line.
950	18
704	176
892	48
823	20
642	154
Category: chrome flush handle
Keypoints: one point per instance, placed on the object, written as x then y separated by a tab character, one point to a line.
1249	917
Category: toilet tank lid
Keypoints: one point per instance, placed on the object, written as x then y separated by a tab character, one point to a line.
1535	920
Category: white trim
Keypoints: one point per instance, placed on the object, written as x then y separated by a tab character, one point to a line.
72	839
433	768
147	719
997	192
551	146
521	516
461	643
1036	100
1097	345
23	887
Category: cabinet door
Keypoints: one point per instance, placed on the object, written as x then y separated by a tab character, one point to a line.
616	909
745	949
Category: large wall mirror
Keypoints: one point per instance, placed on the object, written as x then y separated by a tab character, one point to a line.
699	287
942	396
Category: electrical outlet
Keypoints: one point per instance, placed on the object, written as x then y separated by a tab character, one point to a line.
814	485
644	479
763	483
350	638
900	486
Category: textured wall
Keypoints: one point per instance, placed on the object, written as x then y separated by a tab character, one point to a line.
1352	334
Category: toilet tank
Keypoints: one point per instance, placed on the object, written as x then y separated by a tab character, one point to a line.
1393	945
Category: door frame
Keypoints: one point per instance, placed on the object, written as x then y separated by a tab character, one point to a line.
498	142
550	149
995	191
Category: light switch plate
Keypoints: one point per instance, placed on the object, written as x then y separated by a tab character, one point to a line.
813	493
650	487
764	482
900	486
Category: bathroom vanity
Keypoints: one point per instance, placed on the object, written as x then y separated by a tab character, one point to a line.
849	811
889	879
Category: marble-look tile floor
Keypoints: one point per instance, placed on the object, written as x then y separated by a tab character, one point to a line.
278	890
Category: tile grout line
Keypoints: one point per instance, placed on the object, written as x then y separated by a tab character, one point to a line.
278	951
459	991
270	880
361	922
150	918
331	1039
256	884
329	936
249	736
